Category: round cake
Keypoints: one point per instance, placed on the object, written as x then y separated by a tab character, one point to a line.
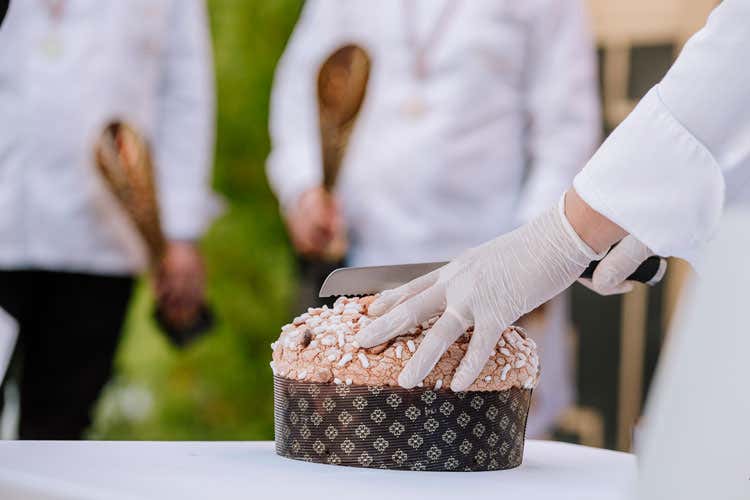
338	403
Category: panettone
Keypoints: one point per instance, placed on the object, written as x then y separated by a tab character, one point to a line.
319	346
338	403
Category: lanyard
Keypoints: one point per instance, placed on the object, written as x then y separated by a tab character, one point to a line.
421	49
52	45
55	10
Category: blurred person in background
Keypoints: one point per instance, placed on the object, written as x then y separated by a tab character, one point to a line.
67	259
477	117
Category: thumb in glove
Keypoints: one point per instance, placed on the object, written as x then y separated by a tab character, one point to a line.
610	276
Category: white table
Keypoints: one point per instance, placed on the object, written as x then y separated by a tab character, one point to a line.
104	470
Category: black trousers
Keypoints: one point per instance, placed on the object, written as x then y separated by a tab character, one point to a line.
312	274
70	325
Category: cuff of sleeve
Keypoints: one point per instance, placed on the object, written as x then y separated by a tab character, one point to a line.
654	179
187	218
289	183
292	193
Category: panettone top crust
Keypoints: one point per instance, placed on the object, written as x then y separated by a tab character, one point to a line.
319	346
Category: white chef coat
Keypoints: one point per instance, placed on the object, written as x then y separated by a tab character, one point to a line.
665	172
144	61
511	116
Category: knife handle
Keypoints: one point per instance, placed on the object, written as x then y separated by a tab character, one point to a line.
650	272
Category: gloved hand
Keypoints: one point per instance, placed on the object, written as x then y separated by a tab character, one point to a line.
610	275
488	287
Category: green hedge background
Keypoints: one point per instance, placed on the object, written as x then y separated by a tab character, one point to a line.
221	387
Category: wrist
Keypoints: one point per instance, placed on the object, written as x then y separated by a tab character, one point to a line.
593	228
183	242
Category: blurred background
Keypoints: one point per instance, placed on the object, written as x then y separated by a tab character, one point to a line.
220	387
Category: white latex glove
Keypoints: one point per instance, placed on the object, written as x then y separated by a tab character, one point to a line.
611	273
489	287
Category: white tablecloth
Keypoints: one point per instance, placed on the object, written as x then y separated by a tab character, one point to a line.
248	470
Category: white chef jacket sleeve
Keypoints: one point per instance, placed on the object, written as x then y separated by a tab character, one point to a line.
562	102
294	164
185	128
661	174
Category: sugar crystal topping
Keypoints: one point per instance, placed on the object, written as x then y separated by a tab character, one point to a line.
319	346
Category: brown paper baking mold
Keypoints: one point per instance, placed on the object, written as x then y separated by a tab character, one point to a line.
401	429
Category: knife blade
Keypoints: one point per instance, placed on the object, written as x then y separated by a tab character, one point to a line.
374	279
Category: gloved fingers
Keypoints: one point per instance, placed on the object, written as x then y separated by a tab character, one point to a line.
444	332
389	299
483	342
399	320
624	287
618	264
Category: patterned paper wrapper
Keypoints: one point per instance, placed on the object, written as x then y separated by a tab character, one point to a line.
403	429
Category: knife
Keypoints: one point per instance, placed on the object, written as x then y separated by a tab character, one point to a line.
374	279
